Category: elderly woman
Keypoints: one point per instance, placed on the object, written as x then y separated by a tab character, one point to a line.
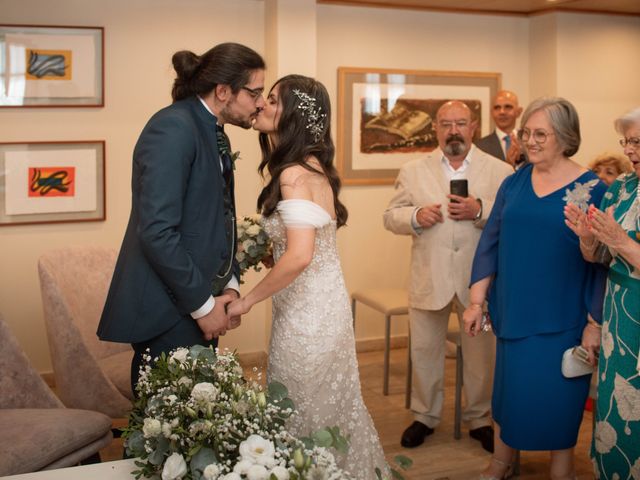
616	440
609	166
540	293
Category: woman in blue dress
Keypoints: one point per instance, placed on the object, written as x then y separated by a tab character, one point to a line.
541	292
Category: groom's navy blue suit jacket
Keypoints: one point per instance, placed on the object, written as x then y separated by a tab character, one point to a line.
175	242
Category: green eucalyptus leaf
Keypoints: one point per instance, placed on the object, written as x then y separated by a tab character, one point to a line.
277	392
403	462
204	457
323	438
396	475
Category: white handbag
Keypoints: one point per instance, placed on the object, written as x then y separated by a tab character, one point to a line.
574	364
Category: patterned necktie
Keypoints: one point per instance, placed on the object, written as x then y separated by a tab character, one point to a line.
224	148
507	142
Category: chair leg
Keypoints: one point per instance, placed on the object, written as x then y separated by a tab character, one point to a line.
458	405
387	348
407	395
353	314
516	463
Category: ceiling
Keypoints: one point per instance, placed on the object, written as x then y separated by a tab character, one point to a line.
509	7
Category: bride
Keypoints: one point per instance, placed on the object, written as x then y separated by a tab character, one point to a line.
312	348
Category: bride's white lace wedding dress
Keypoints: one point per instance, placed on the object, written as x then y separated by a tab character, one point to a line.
312	348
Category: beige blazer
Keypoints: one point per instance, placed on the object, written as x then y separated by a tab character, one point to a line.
441	256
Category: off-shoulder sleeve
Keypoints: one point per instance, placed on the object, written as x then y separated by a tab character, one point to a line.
298	213
485	260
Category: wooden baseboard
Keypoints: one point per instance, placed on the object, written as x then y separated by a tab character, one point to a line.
374	344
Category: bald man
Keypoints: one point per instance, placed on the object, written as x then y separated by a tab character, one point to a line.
502	143
445	230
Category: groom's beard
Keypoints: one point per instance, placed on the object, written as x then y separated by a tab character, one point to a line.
236	119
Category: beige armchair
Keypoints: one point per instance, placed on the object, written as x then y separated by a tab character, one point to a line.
37	432
89	373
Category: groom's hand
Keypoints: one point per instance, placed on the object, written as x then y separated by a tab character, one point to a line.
235	320
216	322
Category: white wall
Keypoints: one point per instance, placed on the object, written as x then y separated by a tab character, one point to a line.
591	62
413	40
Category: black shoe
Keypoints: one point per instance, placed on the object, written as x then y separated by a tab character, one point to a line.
415	434
485	436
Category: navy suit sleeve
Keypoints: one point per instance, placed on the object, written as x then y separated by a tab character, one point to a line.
485	260
163	160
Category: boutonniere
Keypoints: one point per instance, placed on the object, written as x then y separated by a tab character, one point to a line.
234	157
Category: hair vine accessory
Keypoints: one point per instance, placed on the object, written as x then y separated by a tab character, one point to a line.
315	119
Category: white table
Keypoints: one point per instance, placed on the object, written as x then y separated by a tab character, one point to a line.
119	470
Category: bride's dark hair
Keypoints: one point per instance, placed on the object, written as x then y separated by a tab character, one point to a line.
297	141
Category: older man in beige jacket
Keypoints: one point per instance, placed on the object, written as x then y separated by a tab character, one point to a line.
445	230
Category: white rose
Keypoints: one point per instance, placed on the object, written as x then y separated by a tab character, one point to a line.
231	476
280	472
253	230
257	450
166	429
186	381
257	472
242	467
151	427
180	355
211	472
174	467
204	392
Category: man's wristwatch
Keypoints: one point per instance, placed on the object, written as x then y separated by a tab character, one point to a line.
479	214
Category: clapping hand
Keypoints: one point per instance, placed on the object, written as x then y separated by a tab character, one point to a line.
606	229
462	208
514	152
577	221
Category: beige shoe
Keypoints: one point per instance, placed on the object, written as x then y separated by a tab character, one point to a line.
508	473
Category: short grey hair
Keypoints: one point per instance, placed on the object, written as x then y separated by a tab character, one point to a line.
563	118
628	120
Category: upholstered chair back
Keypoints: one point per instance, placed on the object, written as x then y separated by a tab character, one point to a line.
20	385
89	373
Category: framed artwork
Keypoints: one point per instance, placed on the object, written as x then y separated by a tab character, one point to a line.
42	66
386	117
47	182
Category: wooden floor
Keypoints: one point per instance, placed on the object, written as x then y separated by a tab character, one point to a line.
441	457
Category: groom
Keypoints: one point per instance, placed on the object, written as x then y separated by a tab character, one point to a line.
176	270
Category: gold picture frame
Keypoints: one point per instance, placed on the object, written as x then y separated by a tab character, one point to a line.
385	116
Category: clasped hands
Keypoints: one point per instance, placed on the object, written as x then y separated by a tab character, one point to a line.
219	320
459	208
594	225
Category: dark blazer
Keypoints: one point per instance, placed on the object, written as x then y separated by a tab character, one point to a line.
491	145
175	241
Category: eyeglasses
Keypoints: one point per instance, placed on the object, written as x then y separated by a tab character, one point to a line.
255	93
539	135
633	142
446	125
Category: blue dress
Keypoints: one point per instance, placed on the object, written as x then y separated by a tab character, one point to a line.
538	303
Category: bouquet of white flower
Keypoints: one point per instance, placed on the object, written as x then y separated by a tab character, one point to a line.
253	243
196	418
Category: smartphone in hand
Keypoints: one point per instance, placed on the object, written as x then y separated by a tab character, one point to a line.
459	187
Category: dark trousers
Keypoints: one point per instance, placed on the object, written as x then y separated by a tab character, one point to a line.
185	333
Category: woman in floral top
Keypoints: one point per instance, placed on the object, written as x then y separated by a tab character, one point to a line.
616	440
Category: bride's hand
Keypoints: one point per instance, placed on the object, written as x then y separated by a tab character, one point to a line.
238	307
